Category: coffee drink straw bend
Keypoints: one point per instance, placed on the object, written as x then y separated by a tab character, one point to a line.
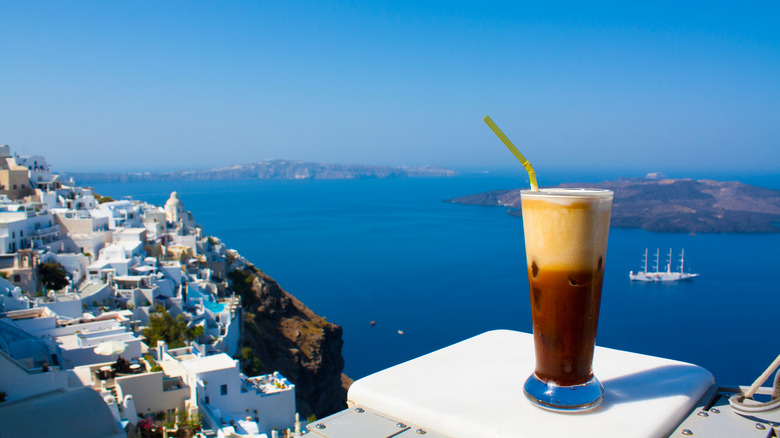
515	152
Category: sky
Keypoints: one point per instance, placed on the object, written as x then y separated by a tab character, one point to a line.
153	86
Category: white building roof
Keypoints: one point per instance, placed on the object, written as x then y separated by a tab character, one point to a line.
90	288
71	341
129	246
209	363
80	413
7	217
130	277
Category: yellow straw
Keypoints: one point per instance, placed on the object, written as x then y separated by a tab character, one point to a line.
515	152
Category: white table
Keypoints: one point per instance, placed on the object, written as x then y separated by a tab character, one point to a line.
475	388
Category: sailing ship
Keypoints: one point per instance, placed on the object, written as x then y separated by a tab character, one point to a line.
657	275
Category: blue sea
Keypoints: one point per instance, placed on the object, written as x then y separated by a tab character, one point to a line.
390	251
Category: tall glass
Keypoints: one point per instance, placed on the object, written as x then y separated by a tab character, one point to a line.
566	233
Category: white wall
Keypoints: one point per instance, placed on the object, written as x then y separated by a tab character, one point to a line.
188	241
229	342
99	295
67	307
18	383
31	325
90	243
12	237
274	409
75	264
148	392
9	303
172	271
165	288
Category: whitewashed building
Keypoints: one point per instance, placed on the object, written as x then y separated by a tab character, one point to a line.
67	304
232	403
153	392
27	229
83	233
76	198
11	297
42	398
120	214
75	264
155	221
14	178
38	171
75	340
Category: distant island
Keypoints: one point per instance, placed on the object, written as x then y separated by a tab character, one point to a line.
267	169
671	205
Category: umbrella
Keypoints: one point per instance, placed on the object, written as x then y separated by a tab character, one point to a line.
110	348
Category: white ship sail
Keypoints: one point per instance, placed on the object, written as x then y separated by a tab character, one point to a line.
657	275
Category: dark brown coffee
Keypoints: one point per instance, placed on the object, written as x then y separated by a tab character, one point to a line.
565	311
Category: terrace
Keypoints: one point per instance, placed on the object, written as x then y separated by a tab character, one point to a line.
26	350
102	376
266	384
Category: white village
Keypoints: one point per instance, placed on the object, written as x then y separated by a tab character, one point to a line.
74	360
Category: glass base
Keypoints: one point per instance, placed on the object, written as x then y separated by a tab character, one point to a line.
564	398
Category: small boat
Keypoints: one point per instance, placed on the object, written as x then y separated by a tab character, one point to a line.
668	275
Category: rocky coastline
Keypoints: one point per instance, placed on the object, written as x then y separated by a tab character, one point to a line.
267	169
671	205
284	335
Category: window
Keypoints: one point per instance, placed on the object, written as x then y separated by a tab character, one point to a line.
222	389
17	278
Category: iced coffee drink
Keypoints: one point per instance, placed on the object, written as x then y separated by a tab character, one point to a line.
566	234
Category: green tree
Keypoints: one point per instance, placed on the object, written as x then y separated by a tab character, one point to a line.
241	282
53	275
174	331
194	332
252	364
102	199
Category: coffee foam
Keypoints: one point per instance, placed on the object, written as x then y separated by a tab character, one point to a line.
565	229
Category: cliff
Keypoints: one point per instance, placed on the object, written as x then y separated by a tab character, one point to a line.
286	336
672	205
269	169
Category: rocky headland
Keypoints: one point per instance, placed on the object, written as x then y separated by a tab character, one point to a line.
268	169
284	335
671	205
